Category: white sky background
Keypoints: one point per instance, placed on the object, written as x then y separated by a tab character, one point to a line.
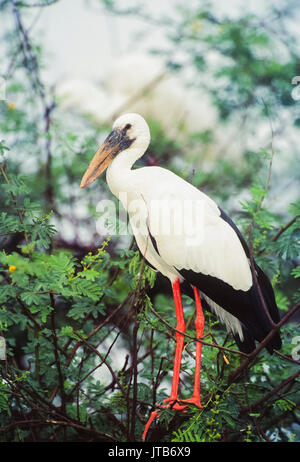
81	41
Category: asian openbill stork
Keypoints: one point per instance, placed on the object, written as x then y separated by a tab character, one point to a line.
183	234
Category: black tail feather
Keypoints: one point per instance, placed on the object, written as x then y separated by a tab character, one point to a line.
247	345
246	306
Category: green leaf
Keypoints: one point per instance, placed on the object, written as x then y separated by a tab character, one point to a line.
68	331
4	407
9	224
7	291
287	246
282	301
296	272
85	288
89	274
284	404
31	298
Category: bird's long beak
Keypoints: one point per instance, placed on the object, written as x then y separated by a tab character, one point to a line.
113	144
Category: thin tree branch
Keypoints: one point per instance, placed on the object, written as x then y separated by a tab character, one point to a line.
57	359
253	406
196	339
239	370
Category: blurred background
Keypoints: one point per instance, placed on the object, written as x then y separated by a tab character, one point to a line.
218	83
202	74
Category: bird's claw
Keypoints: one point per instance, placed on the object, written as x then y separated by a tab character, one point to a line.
168	403
195	401
172	404
154	415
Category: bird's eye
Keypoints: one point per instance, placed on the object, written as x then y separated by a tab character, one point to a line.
127	127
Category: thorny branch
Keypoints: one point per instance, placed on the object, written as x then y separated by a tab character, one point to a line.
253	406
30	63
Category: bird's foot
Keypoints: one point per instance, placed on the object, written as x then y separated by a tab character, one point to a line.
154	415
194	400
167	403
171	403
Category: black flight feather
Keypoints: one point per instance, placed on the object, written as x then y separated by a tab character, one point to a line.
246	306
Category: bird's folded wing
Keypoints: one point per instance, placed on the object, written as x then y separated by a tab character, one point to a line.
190	234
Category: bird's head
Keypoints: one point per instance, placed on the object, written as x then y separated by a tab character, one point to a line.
129	131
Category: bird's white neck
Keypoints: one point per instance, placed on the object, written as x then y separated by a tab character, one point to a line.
119	176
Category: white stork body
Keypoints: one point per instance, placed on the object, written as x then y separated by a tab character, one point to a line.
162	204
183	234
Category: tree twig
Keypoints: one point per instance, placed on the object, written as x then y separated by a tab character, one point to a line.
253	406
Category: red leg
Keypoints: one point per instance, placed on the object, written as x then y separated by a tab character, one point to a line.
179	344
199	325
177	361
